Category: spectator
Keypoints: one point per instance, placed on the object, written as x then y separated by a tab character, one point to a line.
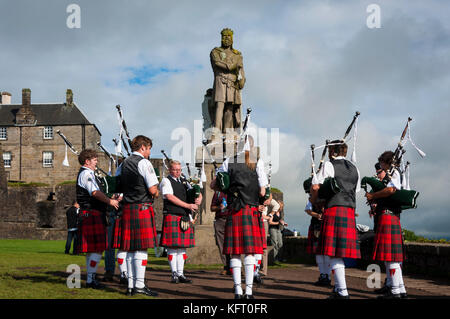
217	206
276	226
72	226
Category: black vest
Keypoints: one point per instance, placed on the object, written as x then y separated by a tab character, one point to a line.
346	176
244	186
87	201
133	186
179	191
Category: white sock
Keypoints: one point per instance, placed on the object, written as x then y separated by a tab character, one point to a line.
402	284
140	265
338	267
327	265
321	264
92	261
258	258
130	269
236	265
388	275
181	257
172	257
249	262
121	261
394	269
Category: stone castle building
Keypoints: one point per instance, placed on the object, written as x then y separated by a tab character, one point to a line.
32	149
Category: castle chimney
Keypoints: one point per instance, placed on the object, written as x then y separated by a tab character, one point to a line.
5	98
26	97
69	97
25	115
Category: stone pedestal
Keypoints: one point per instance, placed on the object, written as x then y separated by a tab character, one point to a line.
205	251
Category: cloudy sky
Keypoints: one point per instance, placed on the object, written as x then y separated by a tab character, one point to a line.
309	65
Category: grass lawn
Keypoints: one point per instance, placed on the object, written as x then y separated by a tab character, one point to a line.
37	269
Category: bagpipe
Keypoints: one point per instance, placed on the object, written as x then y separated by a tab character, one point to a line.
403	198
329	187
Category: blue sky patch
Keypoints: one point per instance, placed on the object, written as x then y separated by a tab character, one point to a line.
145	74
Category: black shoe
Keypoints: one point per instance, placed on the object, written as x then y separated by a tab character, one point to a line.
248	297
184	280
323	281
123	280
129	292
237	296
383	290
174	279
145	291
95	285
336	295
108	276
403	295
389	295
257	279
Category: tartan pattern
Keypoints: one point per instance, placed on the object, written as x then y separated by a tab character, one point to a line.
135	229
338	236
312	242
243	234
172	236
92	232
263	231
388	243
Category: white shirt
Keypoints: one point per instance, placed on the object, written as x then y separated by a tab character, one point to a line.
328	171
395	181
262	177
308	206
166	186
87	180
275	206
147	171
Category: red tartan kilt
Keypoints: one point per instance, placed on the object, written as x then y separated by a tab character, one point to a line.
243	234
172	236
135	229
263	231
338	236
388	243
312	242
92	232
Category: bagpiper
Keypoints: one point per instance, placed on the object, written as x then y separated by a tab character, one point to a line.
338	236
93	202
135	231
243	232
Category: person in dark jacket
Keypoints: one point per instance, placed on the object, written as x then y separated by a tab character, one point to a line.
72	226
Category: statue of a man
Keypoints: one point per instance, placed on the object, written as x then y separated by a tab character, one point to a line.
229	79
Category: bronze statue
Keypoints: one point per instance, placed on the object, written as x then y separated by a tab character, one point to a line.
229	79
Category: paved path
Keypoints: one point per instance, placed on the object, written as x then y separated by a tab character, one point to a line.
295	281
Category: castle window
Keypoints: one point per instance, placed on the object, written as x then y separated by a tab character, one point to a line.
47	159
48	132
7	159
3	133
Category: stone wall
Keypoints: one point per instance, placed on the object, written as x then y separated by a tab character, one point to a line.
26	162
421	258
26	213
